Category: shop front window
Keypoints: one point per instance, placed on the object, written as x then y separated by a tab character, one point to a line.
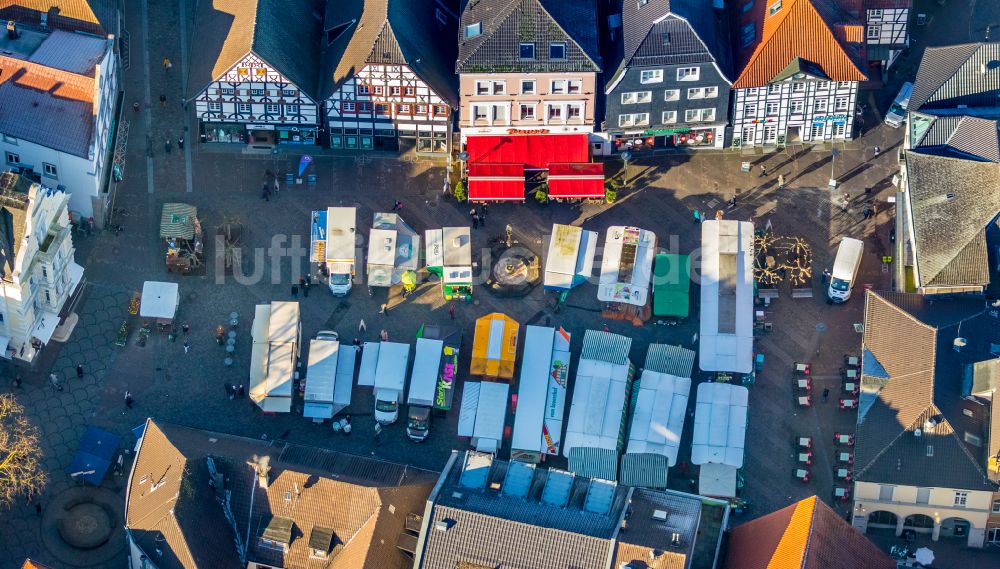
229	133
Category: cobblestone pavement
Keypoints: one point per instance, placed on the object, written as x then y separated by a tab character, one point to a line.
187	388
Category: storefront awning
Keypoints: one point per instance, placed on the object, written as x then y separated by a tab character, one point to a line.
496	182
576	180
535	151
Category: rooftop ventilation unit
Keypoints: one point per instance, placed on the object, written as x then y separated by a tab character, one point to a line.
660	515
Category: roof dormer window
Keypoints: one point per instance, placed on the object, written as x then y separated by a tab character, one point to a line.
527	51
473	30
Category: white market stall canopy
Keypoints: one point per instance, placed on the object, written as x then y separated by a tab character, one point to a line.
159	300
720	424
717	480
658	419
393	249
600	395
570	258
541	392
283	325
320	379
726	333
426	364
627	265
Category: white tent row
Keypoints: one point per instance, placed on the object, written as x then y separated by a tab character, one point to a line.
600	395
720	424
726	333
658	419
541	393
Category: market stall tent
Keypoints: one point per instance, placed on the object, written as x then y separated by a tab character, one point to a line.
393	249
720	425
159	301
449	255
494	348
570	258
726	334
627	265
484	409
672	285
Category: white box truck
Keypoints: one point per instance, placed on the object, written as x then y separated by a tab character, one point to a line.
390	379
334	245
423	386
321	377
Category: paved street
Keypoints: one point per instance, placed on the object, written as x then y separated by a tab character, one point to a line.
187	388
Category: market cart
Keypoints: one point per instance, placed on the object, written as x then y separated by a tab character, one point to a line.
180	227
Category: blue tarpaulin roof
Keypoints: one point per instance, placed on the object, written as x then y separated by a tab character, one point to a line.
97	450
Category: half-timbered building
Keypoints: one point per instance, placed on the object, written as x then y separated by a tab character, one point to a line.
388	81
886	29
671	86
254	73
802	63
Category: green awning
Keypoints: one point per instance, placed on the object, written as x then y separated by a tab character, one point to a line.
671	285
178	220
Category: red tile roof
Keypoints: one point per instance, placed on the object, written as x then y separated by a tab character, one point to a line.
813	30
806	535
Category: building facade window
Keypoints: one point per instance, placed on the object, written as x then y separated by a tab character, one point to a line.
363	89
13	158
291	109
422	109
771	109
440	110
378	89
555	112
840	103
874	32
528	87
669	117
403	109
688	73
749	111
410	91
272	108
574	112
885	493
774	88
797	107
634	119
473	30
50	170
349	107
798	87
838	131
574	86
748	33
244	107
558	87
257	92
636	97
527	112
227	91
672	95
289	92
816	132
820	105
961	498
696	93
365	107
395	91
215	107
823	85
647	76
711	92
10	140
770	133
996	507
381	108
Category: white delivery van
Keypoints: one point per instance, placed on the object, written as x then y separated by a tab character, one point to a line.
896	114
390	378
845	269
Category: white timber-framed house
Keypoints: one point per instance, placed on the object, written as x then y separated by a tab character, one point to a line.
800	75
388	82
249	84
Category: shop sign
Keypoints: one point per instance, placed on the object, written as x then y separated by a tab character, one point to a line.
829	118
758	121
661	131
527	131
260	127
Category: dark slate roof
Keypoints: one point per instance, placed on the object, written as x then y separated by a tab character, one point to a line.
911	336
505	23
284	33
962	136
963	74
805	535
14	192
402	32
952	200
486	526
372	500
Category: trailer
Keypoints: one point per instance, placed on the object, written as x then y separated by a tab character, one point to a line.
321	379
447	382
423	385
277	335
541	394
570	258
449	256
484	409
333	246
390	379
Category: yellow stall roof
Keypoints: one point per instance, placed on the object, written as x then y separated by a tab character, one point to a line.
495	347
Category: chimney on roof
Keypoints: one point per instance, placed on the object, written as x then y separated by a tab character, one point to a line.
441	525
660	515
261	465
12	33
675	539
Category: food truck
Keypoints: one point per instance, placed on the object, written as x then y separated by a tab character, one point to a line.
494	348
277	335
423	384
570	258
449	256
393	249
333	246
541	394
484	409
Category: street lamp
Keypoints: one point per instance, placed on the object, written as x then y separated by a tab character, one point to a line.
626	156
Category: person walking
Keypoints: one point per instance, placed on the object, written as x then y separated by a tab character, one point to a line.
187	346
265	193
167	65
128	399
180	143
362	327
867	211
382	310
305	288
79	371
38	508
876	151
763	171
163	100
826	393
135	107
383	335
697	216
451	311
230	392
826	276
167	146
17	381
54	380
732	202
397	206
185	328
482	216
781	181
475	220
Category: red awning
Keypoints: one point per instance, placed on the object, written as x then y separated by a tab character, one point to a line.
584	180
496	182
535	151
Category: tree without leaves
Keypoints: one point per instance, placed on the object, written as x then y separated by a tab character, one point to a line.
20	471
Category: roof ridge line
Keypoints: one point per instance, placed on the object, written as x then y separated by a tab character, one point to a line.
569	36
965	451
883	450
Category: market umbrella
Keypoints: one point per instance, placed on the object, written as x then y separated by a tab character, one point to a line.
924	556
409	280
